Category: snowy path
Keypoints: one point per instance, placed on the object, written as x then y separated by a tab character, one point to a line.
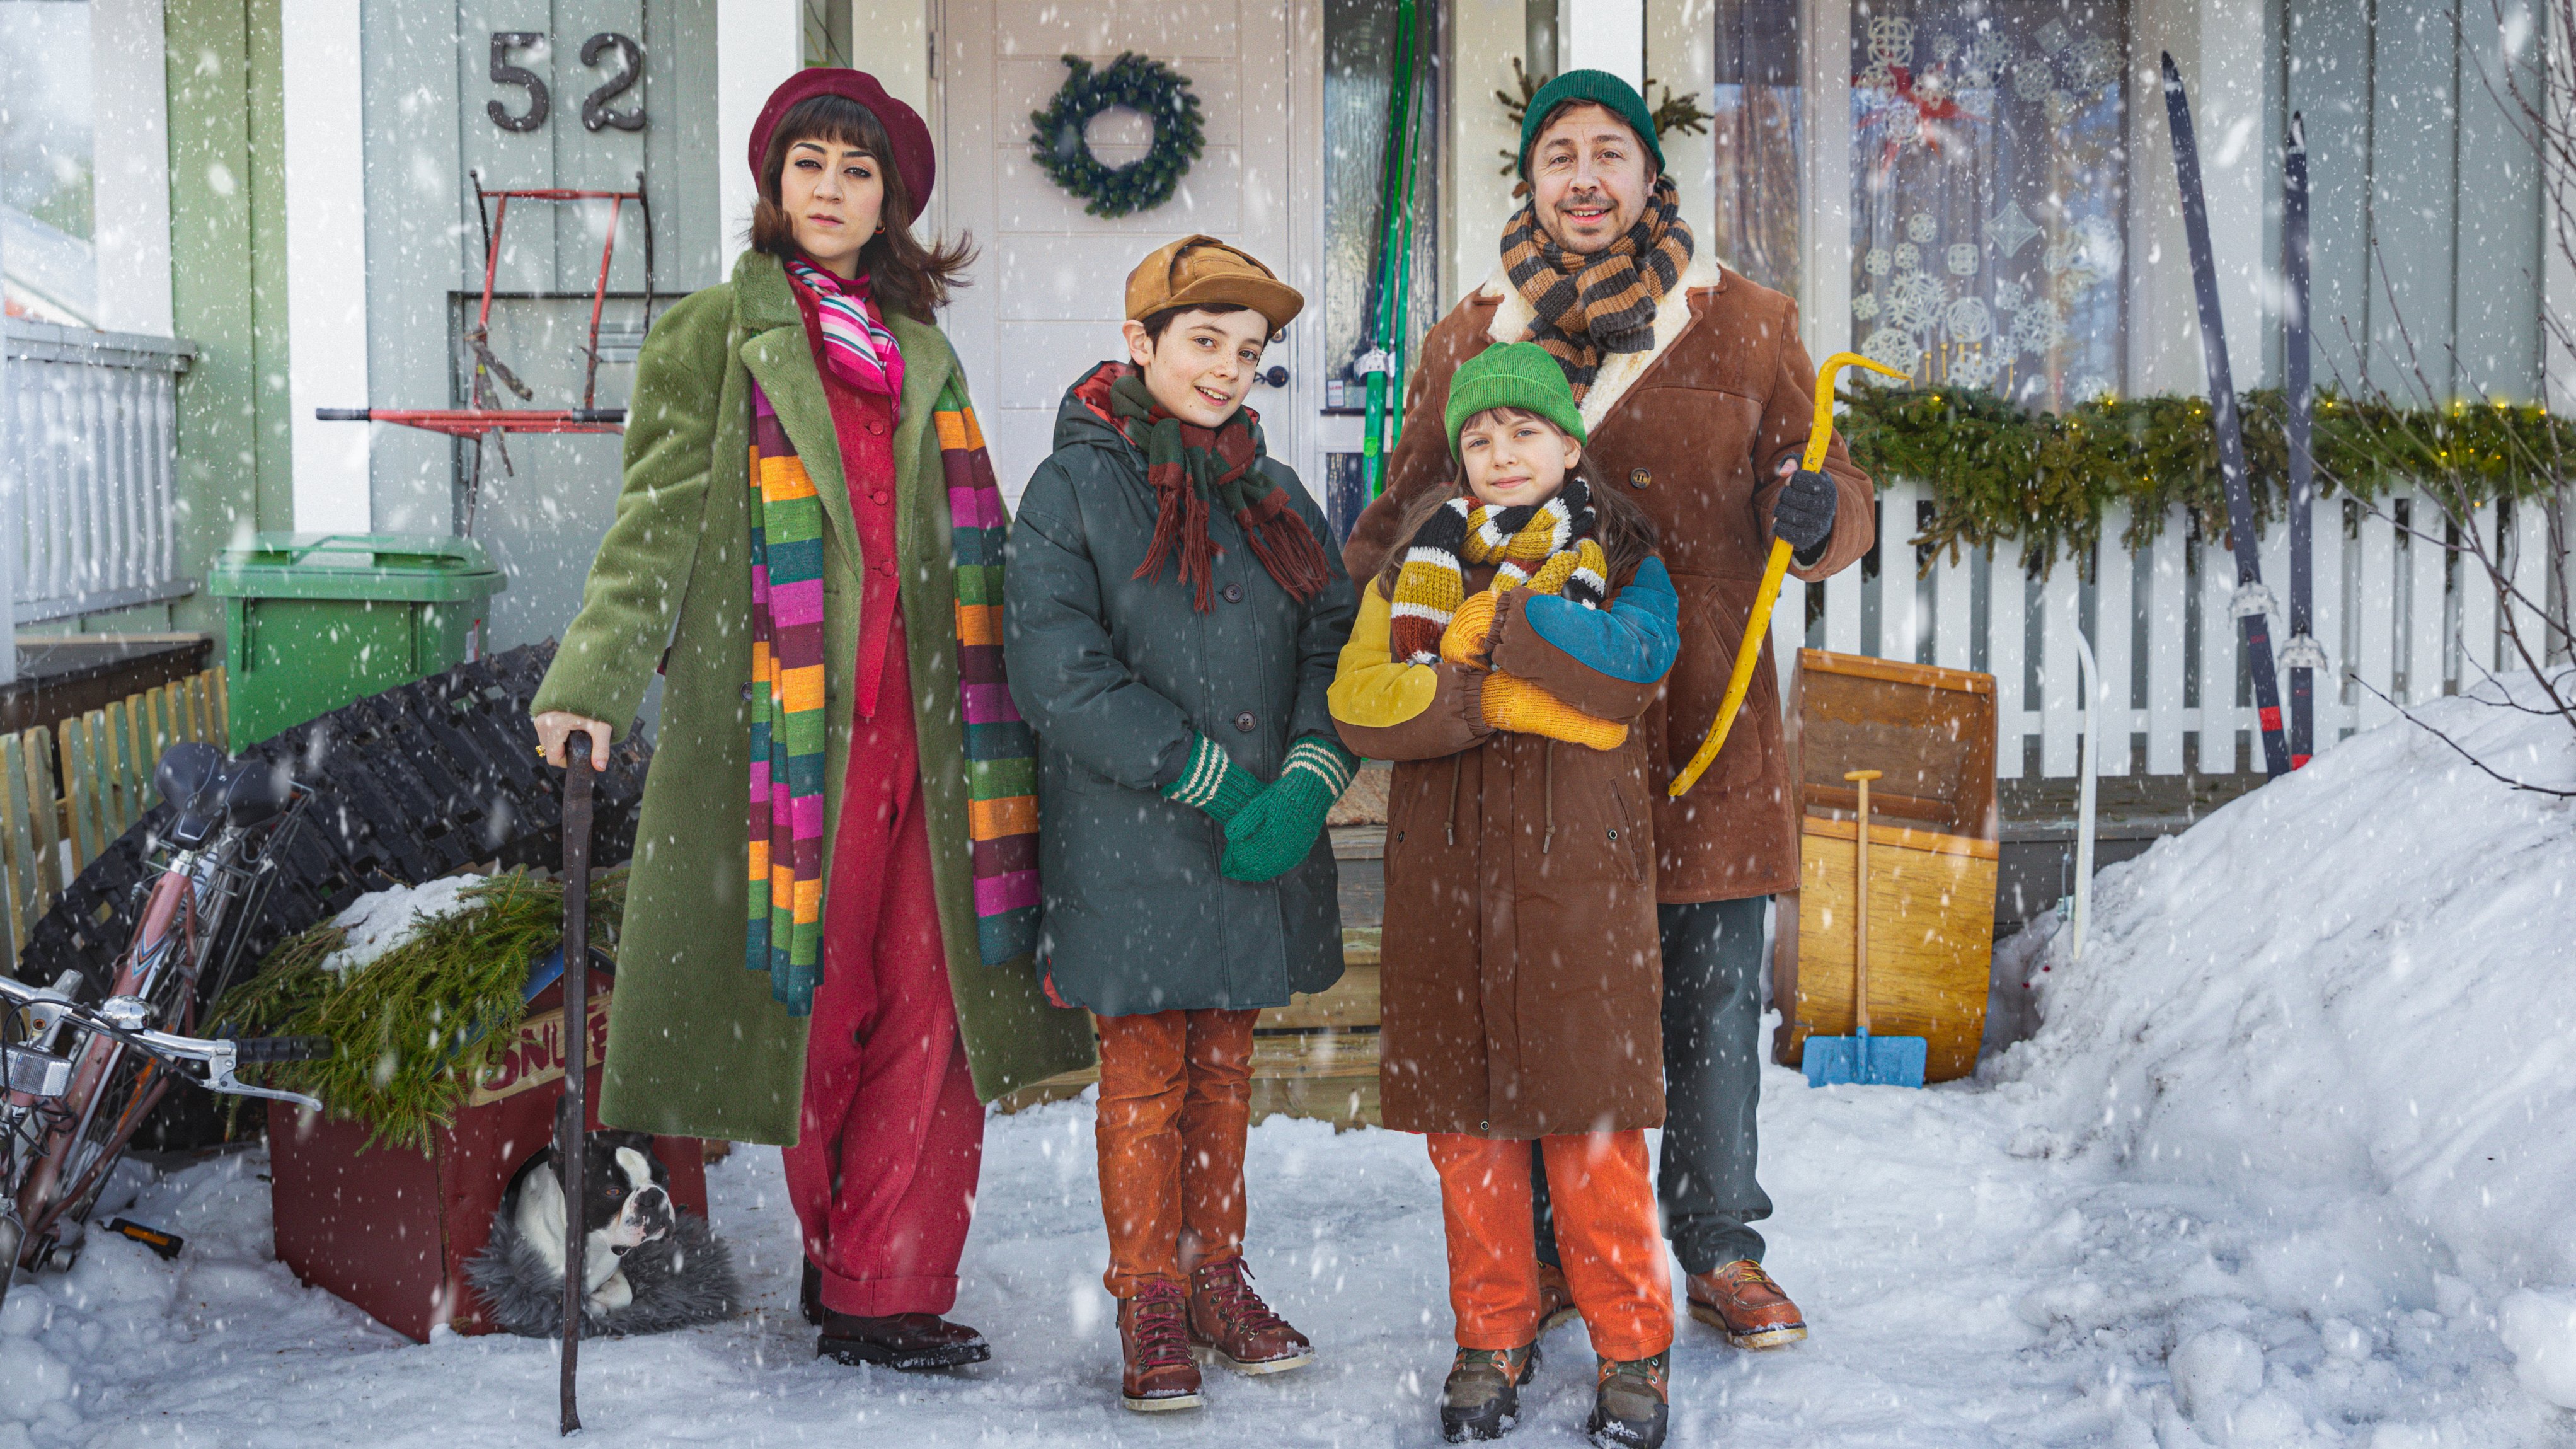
1959	1294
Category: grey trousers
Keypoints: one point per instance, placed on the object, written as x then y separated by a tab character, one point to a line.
1712	1086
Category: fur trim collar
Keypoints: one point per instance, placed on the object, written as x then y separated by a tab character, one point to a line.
1620	370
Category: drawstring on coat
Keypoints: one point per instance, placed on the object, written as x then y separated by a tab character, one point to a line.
1547	789
1457	762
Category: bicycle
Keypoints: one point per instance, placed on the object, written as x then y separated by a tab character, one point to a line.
69	1113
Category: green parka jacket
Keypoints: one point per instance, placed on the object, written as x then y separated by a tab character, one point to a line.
696	1045
1115	673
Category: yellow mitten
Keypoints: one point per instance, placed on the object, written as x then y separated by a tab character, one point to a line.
1467	639
1513	703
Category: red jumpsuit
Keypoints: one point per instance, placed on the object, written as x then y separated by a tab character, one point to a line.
892	1136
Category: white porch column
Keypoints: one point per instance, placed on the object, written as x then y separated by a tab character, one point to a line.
130	124
1606	35
326	261
758	44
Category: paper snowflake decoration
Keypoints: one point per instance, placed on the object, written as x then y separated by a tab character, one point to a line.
2009	295
1875	261
1909	258
1974	368
1892	347
1864	306
1963	259
2053	37
1921	227
1968	321
2034	80
2010	230
1915	300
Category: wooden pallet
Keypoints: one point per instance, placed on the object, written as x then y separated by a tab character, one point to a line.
67	792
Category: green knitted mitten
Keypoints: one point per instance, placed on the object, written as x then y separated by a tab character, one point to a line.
1273	833
1213	782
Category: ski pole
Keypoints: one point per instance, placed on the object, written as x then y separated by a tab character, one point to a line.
1758	624
2302	656
571	1115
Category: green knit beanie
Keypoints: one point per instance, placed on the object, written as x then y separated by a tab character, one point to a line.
1598	86
1520	375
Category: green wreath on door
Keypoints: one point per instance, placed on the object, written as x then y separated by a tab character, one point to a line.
1136	83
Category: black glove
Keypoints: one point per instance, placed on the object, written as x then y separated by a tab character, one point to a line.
1804	516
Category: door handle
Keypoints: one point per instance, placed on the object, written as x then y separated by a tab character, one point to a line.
1276	377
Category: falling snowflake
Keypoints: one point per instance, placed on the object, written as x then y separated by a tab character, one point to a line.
1969	321
1864	306
2010	230
1895	348
1909	258
1921	227
1874	261
1963	259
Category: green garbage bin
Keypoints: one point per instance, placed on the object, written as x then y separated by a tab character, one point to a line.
318	619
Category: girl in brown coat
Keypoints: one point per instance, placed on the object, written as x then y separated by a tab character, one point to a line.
1495	664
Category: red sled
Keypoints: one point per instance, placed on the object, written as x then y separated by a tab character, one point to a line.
391	1229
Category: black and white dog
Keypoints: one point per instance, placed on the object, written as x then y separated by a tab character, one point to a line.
647	1266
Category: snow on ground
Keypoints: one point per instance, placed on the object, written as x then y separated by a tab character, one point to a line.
2281	1168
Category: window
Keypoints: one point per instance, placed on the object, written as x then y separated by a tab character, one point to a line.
1759	141
1359	60
45	161
1987	193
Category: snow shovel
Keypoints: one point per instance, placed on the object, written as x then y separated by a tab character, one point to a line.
1758	624
570	1114
1862	1059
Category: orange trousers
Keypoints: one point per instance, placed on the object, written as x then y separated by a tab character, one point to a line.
1175	1102
1605	1231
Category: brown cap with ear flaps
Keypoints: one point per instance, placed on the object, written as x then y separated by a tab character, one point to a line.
1200	271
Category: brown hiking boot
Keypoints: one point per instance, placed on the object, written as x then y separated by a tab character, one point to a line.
1555	1299
1483	1394
1742	1301
1230	1323
1154	1337
1631	1403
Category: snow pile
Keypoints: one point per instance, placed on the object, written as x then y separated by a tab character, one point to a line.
382	920
2345	1001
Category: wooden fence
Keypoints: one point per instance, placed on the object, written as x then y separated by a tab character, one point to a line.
67	791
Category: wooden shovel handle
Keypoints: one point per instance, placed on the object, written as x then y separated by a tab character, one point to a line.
1860	901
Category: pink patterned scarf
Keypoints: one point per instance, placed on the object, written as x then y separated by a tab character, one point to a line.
856	344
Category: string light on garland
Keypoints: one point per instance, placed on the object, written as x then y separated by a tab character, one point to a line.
1999	474
1131	82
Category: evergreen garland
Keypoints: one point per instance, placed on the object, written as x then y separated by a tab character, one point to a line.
1145	86
419	1025
1998	473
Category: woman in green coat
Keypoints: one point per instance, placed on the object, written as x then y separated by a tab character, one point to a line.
809	523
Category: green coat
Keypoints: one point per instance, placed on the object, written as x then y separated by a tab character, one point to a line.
1116	673
697	1046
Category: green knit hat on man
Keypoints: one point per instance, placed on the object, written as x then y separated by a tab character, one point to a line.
1512	375
1602	89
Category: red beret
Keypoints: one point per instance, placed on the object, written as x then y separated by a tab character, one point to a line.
912	155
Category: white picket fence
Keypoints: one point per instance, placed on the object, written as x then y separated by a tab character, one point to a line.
2391	609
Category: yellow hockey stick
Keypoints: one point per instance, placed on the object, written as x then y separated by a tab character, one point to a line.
1759	624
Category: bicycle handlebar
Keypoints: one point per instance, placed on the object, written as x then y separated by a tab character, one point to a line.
219	1056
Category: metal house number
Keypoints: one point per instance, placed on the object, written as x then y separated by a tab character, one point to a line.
595	113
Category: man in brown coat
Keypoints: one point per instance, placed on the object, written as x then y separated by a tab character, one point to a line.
1698	397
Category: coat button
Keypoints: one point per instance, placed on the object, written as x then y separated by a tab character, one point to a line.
1233	593
878	498
1244	722
876	428
1484	1126
1639	477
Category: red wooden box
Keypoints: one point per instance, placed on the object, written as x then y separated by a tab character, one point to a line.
390	1229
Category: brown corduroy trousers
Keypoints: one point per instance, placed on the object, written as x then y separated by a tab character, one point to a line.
1175	1102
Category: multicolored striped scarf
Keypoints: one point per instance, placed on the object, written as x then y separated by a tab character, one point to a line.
1547	548
785	930
1001	750
856	344
1584	307
787	725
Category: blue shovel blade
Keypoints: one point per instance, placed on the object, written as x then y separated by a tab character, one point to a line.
1868	1061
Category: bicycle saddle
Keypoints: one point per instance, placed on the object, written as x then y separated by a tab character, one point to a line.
204	789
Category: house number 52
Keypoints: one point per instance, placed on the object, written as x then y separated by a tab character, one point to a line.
595	112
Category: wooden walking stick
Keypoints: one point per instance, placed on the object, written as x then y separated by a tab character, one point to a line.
570	1112
1819	438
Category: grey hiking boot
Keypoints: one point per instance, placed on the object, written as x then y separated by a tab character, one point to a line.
1483	1395
1631	1403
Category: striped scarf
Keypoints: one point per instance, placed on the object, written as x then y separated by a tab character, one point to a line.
1188	467
1587	307
785	929
1548	548
856	344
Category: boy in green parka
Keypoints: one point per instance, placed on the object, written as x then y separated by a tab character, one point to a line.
1171	625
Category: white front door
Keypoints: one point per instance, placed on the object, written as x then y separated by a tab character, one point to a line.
1049	289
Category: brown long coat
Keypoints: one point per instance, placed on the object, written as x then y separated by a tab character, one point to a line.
1523	983
1692	432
